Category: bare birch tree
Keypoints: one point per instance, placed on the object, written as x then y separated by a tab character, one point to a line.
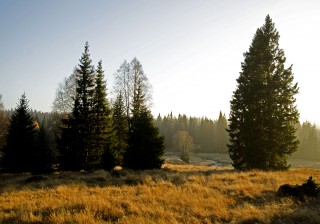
184	142
65	94
128	77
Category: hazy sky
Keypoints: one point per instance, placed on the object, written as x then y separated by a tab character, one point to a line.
191	51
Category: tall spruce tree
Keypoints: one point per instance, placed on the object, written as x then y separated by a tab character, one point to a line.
146	146
103	150
77	138
121	128
21	140
263	113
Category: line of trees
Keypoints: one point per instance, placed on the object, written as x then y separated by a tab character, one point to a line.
308	135
26	146
89	132
208	135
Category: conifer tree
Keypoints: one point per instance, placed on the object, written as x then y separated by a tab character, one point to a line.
43	156
77	138
263	112
121	128
103	150
21	140
146	146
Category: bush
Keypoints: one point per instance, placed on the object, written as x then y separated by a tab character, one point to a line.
309	188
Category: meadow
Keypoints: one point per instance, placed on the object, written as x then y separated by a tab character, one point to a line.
178	193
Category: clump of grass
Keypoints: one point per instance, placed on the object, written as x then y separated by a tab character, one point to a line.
175	194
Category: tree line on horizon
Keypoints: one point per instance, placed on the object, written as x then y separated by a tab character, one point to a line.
307	133
208	135
262	130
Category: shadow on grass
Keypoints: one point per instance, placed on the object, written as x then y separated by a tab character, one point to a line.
306	212
102	178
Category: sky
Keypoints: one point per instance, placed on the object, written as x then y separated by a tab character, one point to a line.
191	51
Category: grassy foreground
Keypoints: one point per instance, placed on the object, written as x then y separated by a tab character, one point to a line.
175	194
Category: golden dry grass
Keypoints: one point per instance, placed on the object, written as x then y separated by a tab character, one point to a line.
175	194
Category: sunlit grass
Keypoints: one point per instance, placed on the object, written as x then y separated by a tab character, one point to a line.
175	194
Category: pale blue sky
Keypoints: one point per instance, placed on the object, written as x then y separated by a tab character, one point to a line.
191	51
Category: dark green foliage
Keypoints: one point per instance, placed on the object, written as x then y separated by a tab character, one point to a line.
77	138
68	157
146	146
82	114
44	154
263	114
86	138
311	188
21	140
104	140
121	128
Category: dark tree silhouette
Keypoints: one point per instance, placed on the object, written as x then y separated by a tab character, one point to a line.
44	154
77	137
121	126
263	114
104	140
21	140
146	146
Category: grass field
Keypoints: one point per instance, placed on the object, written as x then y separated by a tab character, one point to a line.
197	193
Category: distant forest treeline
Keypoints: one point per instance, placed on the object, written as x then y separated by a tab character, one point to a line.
211	135
309	136
208	135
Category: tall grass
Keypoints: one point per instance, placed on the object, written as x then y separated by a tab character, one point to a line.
175	194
